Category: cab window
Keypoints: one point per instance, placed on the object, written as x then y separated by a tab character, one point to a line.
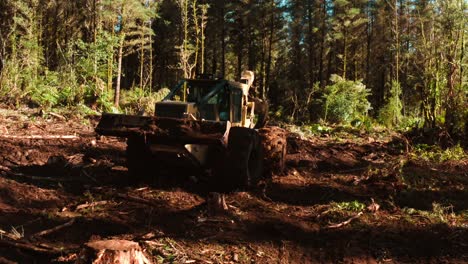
236	105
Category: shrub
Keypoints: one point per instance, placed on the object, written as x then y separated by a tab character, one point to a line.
345	101
390	114
139	100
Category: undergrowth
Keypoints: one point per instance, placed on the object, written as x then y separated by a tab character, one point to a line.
440	214
434	153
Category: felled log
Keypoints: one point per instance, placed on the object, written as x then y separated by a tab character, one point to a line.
112	251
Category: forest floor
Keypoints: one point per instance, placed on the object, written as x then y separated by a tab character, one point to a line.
345	198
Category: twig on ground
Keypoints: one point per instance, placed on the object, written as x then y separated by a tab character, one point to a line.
177	251
18	174
40	136
54	229
136	199
322	214
89	176
86	205
57	116
345	222
4	233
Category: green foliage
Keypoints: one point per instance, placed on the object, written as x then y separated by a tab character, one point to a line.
345	101
355	206
92	58
309	130
45	91
140	100
390	114
434	153
439	213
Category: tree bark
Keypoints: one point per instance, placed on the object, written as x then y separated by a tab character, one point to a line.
119	72
223	41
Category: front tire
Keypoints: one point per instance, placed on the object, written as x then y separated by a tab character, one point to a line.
244	163
138	157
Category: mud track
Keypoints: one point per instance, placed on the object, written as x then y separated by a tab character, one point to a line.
341	201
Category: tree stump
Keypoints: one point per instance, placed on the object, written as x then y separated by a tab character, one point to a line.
113	251
216	203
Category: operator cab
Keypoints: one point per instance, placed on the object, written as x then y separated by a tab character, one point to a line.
209	98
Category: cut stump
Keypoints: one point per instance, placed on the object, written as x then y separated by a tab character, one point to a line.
112	251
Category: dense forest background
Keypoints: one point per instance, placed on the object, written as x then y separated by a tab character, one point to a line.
398	62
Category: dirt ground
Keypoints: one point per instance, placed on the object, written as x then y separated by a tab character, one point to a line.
354	198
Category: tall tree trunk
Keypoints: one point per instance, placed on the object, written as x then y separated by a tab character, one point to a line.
223	40
310	45
369	30
322	43
397	41
240	49
150	62
202	27
270	48
142	59
197	36
119	71
345	52
110	68
95	62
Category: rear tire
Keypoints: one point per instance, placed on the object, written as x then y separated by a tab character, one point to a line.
138	157
244	163
274	145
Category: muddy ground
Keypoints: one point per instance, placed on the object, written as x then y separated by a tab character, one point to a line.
345	198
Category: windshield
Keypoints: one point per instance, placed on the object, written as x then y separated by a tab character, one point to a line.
194	91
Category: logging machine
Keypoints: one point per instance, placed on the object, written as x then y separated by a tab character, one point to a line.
206	125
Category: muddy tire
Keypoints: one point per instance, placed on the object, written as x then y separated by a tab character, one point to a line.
274	146
261	112
244	163
137	158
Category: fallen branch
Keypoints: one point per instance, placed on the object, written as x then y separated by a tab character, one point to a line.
30	247
3	233
345	222
54	229
57	115
136	199
93	204
83	172
40	136
18	174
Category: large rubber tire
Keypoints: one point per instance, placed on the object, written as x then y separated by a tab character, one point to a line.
274	145
244	163
261	112
138	158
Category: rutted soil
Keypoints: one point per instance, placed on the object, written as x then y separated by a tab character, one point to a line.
355	200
